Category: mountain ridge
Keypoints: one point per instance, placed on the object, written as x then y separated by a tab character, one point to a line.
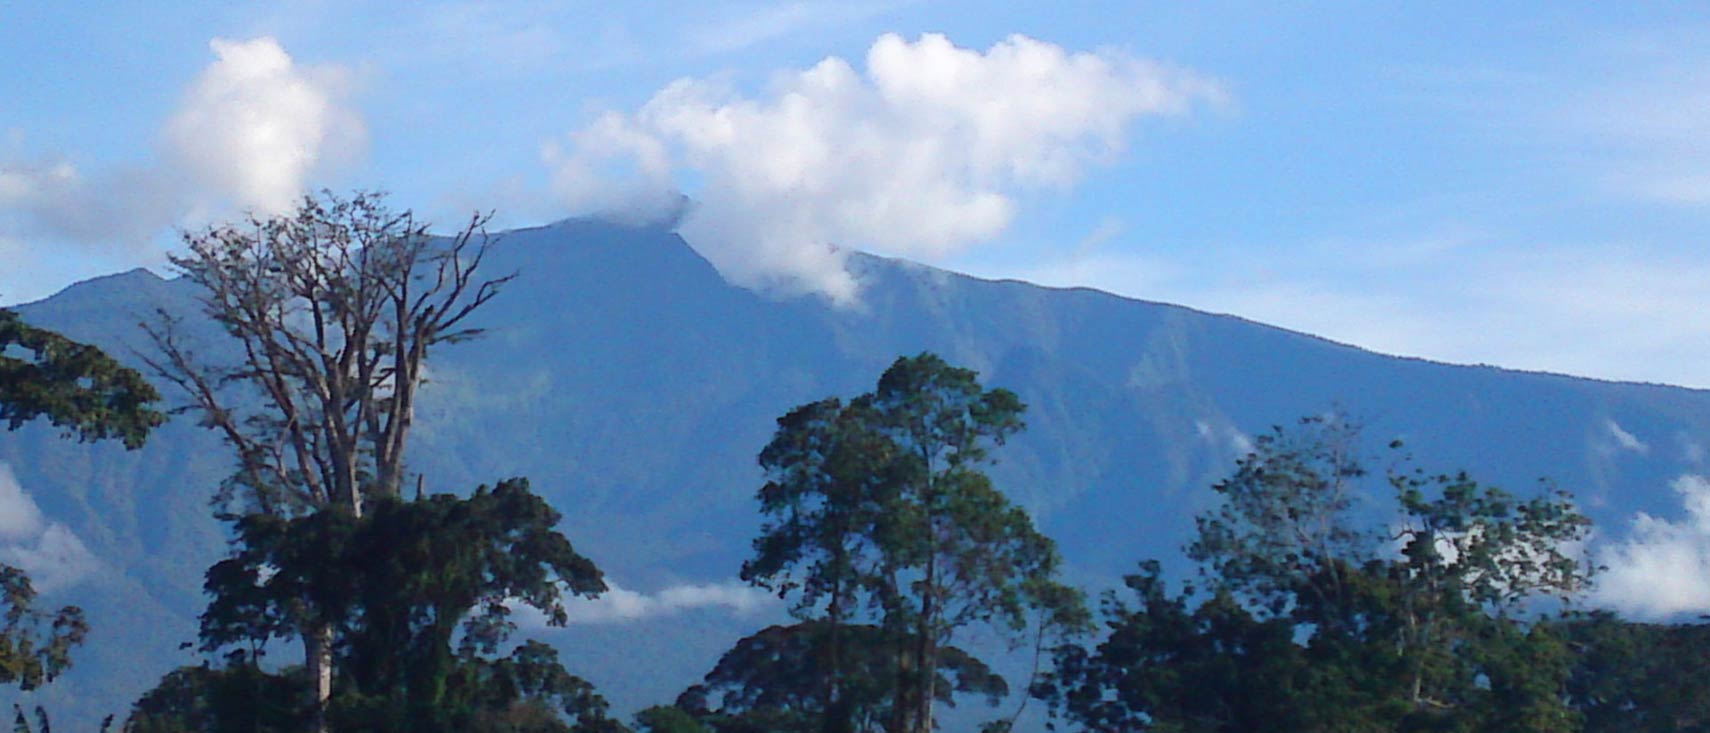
634	387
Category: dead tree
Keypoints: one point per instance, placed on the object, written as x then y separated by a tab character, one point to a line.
333	310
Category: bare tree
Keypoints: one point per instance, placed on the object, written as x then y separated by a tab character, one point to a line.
333	308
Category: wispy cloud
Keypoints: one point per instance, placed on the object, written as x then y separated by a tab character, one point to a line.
1617	312
1625	440
742	27
1224	436
50	197
621	605
1651	108
926	153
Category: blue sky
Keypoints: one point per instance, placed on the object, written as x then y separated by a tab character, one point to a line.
1526	185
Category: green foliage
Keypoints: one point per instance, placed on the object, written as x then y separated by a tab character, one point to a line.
1633	677
1315	619
239	696
878	507
35	646
527	691
668	719
21	722
418	594
83	390
75	386
774	680
1215	668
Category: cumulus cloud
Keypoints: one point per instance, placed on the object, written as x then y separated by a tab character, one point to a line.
1663	567
255	126
612	168
620	605
52	555
250	132
924	153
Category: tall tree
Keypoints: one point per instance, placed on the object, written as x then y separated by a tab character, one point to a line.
334	309
419	594
879	506
1170	666
773	681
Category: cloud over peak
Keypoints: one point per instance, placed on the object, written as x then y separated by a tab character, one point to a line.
925	153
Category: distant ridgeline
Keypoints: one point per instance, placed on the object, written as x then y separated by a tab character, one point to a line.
634	388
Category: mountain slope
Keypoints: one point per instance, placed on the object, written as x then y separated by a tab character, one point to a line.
634	388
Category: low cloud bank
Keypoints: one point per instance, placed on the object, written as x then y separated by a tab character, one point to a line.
1662	569
622	605
49	551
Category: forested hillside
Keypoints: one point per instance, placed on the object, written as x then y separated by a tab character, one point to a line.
634	389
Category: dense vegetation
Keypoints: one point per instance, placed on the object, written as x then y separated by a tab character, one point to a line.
1327	598
77	387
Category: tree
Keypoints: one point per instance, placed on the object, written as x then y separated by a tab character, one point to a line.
1166	664
668	719
239	696
1320	614
79	388
772	681
1632	677
419	595
31	655
334	310
74	386
879	507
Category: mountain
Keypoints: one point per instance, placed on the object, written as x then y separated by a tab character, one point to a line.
634	387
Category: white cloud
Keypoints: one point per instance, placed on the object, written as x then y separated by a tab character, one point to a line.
1624	439
20	518
1663	567
50	197
612	168
250	132
52	555
1234	440
618	604
255	126
923	155
1691	450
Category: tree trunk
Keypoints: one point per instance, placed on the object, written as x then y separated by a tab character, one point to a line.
317	656
902	702
927	662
